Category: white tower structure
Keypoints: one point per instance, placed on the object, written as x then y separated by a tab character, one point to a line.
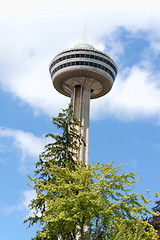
83	73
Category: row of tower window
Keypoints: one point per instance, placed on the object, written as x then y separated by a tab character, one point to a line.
81	55
82	49
82	63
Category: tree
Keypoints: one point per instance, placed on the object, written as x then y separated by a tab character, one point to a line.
155	220
62	151
75	201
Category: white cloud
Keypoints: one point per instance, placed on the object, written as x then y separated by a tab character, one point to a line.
29	145
32	33
37	90
25	141
38	6
156	46
27	196
134	95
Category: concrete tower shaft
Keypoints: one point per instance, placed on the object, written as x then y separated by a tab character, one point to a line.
81	106
83	73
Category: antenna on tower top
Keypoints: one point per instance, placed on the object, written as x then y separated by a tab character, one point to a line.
85	33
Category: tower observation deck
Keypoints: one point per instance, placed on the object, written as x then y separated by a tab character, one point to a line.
83	73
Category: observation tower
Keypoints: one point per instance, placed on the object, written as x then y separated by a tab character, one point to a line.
83	73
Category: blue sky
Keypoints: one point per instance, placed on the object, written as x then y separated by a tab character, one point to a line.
124	125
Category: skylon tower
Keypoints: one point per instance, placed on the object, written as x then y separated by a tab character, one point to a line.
83	73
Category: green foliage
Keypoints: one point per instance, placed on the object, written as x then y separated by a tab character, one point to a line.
62	151
75	201
64	148
96	197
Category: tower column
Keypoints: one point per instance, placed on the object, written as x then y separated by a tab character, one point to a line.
84	151
81	106
77	101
